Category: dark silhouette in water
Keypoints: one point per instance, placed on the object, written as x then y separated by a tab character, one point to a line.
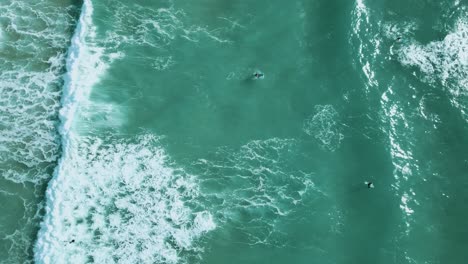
369	184
258	75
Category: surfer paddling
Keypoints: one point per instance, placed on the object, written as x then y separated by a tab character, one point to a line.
258	75
369	184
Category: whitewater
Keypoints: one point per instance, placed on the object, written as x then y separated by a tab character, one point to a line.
136	132
132	179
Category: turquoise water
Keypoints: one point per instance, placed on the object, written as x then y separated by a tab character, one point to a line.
136	132
34	36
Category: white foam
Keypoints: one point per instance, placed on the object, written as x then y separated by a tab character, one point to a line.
73	91
362	13
86	64
162	63
425	113
121	202
404	205
368	43
324	126
32	42
399	131
444	62
401	29
258	187
30	79
156	28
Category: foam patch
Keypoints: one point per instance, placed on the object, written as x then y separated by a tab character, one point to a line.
257	189
444	62
30	87
115	201
324	127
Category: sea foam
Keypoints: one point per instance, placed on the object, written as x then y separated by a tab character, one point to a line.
30	82
365	39
324	126
120	201
113	200
33	38
257	189
373	37
443	62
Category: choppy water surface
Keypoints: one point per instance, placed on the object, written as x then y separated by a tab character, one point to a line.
33	41
134	132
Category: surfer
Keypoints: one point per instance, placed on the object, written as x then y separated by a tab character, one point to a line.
369	184
258	75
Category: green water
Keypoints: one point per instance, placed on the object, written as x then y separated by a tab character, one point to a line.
34	36
175	153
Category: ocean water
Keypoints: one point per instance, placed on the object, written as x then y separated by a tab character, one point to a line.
135	132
